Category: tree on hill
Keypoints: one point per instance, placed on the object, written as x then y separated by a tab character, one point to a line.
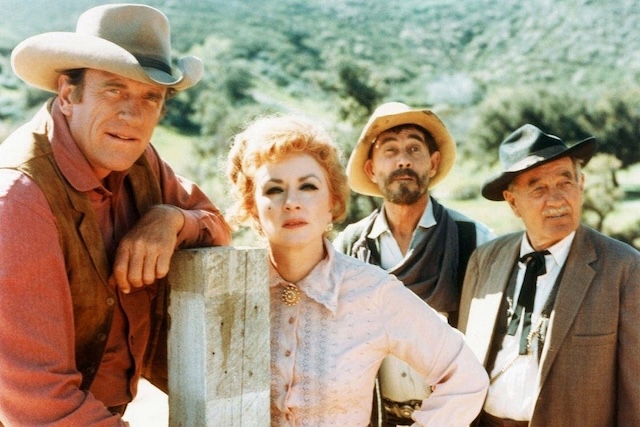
614	119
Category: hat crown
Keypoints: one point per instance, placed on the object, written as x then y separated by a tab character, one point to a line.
528	144
389	108
141	30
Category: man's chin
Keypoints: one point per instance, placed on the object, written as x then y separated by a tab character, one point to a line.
403	198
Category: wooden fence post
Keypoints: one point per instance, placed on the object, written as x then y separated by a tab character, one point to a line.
219	338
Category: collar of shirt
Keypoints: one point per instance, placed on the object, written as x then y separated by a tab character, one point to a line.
322	284
70	159
381	226
559	251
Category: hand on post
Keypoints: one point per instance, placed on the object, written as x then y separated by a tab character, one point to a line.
145	252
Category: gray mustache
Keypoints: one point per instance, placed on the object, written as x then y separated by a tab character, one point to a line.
556	211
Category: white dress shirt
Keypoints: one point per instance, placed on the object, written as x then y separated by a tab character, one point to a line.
513	393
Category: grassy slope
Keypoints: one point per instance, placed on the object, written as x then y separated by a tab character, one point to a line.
495	42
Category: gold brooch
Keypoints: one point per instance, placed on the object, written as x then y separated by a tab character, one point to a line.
291	295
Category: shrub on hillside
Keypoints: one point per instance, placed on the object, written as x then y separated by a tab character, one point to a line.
613	118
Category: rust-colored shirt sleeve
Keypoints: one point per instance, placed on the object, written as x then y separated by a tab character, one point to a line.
204	223
39	384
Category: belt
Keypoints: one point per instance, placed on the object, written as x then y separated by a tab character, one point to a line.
401	410
488	420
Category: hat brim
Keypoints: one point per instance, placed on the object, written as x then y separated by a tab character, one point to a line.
40	59
358	179
494	187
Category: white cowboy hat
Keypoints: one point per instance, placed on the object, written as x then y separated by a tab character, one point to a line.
385	117
130	40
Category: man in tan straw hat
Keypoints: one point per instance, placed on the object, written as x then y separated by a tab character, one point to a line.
400	155
89	219
553	311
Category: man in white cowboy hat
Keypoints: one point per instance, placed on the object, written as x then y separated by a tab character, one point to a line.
89	219
553	311
400	155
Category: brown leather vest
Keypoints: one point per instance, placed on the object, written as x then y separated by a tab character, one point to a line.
29	151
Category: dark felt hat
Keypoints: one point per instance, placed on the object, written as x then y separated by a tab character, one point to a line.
527	148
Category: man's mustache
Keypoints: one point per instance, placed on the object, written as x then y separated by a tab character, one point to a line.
403	173
553	212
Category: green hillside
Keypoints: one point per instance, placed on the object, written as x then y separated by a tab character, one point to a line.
580	42
483	65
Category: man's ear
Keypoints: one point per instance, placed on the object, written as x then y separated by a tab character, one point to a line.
435	163
508	197
368	169
65	90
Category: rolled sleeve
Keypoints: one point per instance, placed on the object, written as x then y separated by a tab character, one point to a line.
204	223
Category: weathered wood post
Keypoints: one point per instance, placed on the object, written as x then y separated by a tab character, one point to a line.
219	338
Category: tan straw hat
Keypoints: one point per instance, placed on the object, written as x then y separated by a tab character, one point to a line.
130	40
385	117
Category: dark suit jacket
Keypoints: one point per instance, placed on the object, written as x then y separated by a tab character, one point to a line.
590	365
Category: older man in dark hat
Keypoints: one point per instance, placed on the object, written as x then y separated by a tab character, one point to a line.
553	311
89	219
401	154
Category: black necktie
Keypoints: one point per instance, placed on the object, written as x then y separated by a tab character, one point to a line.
535	267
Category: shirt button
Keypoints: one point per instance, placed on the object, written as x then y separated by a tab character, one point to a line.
102	337
110	301
287	353
286	387
291	320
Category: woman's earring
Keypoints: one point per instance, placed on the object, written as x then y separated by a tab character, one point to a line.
329	227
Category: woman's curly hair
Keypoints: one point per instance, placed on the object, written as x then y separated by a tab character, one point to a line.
271	138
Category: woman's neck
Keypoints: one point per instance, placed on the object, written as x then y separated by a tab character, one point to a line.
295	263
